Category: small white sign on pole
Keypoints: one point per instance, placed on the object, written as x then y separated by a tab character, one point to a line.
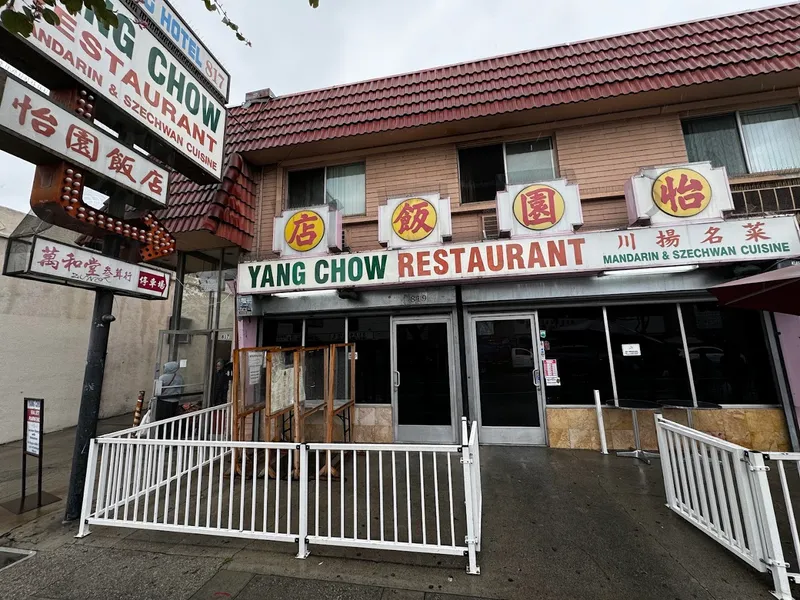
631	350
33	426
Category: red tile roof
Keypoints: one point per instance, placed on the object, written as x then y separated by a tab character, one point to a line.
752	43
747	44
225	209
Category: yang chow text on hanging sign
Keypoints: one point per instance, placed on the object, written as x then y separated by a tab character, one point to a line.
707	243
167	19
135	72
32	118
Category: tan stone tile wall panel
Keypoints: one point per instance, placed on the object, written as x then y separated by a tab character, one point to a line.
754	428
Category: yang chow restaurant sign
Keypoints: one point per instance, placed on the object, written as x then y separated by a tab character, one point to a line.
698	243
132	70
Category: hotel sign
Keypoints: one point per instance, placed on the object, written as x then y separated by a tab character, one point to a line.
138	75
544	208
678	193
167	19
592	252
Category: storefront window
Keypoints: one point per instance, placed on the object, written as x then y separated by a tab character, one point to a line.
647	347
283	333
373	363
320	332
729	355
576	339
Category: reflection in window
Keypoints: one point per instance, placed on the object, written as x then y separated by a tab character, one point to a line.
283	333
729	355
506	361
320	332
373	363
576	339
655	367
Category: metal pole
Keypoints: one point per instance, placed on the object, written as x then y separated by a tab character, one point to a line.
93	375
462	352
24	452
41	454
177	306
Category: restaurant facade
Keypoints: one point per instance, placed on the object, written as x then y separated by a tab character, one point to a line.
501	238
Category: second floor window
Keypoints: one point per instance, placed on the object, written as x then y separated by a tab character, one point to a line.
755	141
342	186
488	169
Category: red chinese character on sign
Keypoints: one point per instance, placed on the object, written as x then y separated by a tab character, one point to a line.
755	232
154	181
668	238
413	217
107	274
118	274
539	207
128	276
304	233
121	163
143	281
91	266
43	122
71	261
687	195
49	258
627	240
84	143
712	237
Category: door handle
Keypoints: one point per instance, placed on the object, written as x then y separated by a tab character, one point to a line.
537	381
397	379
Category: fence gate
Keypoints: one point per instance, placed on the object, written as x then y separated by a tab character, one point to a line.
723	490
186	475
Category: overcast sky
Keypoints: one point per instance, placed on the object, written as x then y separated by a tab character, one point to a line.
298	48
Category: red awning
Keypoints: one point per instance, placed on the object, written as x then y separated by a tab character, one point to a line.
774	291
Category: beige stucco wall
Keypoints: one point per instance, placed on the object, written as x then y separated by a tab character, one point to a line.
599	157
44	333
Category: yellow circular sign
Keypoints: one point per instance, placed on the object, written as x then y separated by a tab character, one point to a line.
304	230
414	219
539	207
681	192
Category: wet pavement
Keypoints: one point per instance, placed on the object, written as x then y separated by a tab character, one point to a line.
558	524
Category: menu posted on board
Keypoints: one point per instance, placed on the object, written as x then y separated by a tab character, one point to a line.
33	426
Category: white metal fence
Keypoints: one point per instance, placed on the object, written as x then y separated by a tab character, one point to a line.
723	489
184	475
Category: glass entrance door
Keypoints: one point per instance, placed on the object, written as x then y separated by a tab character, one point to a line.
423	379
505	378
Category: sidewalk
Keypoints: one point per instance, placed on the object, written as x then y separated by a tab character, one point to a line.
557	525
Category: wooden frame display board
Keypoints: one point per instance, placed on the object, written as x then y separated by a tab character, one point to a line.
249	384
294	383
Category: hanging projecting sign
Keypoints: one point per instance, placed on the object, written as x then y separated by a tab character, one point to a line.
167	19
414	221
544	208
307	231
690	244
57	262
678	193
34	119
128	67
